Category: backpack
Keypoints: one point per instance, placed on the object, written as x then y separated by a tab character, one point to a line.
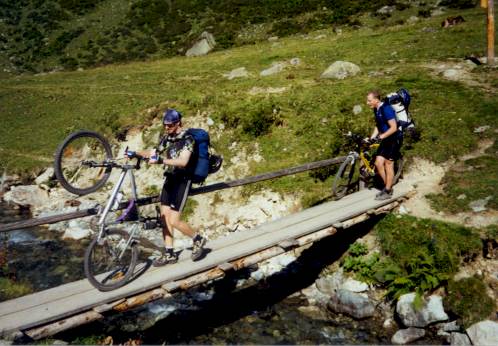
202	161
400	101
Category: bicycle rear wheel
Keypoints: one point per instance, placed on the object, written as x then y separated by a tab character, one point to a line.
109	264
345	179
70	168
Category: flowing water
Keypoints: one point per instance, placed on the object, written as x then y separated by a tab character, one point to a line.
270	312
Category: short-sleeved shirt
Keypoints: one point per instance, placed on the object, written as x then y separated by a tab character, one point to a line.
382	115
172	147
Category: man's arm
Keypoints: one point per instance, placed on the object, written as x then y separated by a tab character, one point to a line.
393	127
181	161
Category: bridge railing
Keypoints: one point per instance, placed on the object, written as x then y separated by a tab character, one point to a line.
154	199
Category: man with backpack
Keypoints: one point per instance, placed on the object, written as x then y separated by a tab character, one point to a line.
387	132
176	148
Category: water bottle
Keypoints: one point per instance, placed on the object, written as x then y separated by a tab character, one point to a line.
154	155
117	200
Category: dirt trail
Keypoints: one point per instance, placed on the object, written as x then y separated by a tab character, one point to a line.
426	177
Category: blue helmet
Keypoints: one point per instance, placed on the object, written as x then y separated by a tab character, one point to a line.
171	116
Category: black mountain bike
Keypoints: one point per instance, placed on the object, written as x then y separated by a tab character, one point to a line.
358	170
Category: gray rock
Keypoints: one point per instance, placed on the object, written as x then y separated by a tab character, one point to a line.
451	326
295	61
482	129
240	72
452	74
484	333
437	12
405	336
275	68
412	19
480	204
386	10
354	286
45	176
331	283
29	195
210	122
461	196
77	230
353	304
204	45
273	39
341	70
459	339
319	37
431	311
357	109
315	296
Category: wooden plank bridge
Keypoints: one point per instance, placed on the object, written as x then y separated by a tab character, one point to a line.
51	311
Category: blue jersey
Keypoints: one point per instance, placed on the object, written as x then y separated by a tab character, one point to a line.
382	115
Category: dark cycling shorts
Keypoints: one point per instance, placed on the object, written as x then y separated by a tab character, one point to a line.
175	192
389	147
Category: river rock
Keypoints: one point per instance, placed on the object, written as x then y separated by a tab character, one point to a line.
484	333
432	311
330	283
28	195
240	72
77	230
459	339
315	296
353	304
204	45
354	286
341	70
406	336
275	68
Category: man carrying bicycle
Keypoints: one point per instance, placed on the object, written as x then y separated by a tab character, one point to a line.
386	131
177	147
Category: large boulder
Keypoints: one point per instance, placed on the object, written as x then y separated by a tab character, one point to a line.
341	70
353	304
406	336
431	311
459	339
484	333
27	195
204	45
45	176
330	283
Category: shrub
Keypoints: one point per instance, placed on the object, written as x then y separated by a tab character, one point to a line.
467	299
460	4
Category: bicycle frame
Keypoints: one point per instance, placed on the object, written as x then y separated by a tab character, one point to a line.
125	169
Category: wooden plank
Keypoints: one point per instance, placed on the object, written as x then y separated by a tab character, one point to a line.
84	300
106	307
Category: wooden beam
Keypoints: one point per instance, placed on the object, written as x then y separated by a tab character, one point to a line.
59	326
141	299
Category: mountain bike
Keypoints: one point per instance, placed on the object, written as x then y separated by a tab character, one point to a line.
83	163
358	170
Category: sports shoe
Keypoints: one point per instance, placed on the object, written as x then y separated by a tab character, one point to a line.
380	192
198	247
384	195
167	258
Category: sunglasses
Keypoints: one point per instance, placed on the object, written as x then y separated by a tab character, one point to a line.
171	125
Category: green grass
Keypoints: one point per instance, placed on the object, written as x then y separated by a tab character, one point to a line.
10	289
303	124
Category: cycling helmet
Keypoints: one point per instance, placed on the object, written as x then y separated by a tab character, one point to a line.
171	116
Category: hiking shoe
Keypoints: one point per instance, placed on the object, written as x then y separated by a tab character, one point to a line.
166	258
198	248
380	192
384	195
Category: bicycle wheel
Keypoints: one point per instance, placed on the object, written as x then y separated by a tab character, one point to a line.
398	169
109	264
69	164
344	179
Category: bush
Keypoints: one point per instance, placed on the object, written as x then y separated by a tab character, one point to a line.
460	4
259	121
467	299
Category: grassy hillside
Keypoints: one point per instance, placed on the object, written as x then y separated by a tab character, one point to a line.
302	124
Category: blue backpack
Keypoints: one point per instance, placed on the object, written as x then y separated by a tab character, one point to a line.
202	161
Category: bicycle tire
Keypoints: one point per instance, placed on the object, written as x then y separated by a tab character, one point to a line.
65	172
345	173
398	169
101	269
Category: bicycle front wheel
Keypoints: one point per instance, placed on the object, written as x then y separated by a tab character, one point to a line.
110	262
72	160
344	180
